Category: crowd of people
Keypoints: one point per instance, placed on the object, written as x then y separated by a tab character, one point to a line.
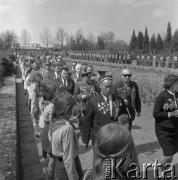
105	111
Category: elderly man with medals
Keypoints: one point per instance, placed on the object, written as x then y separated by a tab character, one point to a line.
128	90
84	90
102	109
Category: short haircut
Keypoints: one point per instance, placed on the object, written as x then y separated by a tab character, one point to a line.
77	66
90	66
65	68
169	80
123	119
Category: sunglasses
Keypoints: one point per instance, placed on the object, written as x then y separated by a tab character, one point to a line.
127	75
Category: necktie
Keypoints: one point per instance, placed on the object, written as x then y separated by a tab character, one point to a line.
108	103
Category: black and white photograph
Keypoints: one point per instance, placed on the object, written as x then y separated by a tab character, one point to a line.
88	89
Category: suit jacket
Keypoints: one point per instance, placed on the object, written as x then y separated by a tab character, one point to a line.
74	77
61	88
54	77
130	96
96	115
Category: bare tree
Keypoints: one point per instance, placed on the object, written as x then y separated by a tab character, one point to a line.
91	40
25	37
107	37
60	36
46	37
79	39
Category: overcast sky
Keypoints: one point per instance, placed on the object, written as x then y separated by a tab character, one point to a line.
119	16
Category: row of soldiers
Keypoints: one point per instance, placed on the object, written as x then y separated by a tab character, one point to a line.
143	60
113	58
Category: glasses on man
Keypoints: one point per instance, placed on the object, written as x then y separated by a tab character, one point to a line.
127	75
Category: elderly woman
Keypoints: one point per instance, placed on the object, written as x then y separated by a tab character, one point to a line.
166	118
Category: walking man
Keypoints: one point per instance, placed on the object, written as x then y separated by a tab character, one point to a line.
128	90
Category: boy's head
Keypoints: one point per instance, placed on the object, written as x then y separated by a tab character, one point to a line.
123	119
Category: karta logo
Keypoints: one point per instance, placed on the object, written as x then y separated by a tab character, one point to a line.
114	168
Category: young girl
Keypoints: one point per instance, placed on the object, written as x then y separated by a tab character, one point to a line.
64	140
26	78
30	82
35	102
113	141
48	95
43	102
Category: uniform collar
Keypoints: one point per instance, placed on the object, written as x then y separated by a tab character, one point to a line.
105	97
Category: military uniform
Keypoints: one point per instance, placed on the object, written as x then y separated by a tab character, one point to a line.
130	94
88	89
68	86
98	112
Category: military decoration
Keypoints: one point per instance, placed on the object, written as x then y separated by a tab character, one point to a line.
103	107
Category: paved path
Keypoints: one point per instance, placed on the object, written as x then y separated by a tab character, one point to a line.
143	133
30	161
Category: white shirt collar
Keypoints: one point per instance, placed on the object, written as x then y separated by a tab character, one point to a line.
171	92
56	74
105	98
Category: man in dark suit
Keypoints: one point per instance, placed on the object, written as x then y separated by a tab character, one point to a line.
57	70
64	83
102	109
128	90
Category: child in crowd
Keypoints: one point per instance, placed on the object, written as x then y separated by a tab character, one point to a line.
26	77
24	65
48	95
43	103
30	82
113	141
35	101
64	140
124	120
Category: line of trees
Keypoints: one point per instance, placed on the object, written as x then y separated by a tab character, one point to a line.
9	38
78	41
106	41
141	43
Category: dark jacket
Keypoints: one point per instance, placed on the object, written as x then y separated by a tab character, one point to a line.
161	116
61	88
96	115
130	96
